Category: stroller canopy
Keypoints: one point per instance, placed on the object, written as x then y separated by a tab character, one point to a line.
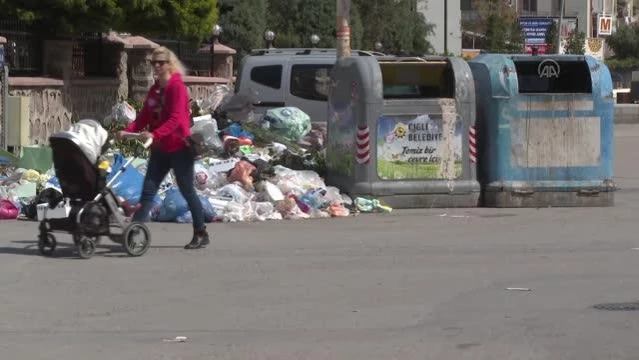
89	135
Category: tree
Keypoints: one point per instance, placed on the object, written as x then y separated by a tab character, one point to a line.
576	43
625	41
190	19
551	38
187	19
395	24
498	22
317	17
295	21
243	24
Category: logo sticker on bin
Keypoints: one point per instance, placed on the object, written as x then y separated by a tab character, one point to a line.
548	69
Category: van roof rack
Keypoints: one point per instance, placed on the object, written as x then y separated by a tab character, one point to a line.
310	51
407	59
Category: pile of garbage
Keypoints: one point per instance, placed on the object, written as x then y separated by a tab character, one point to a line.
268	169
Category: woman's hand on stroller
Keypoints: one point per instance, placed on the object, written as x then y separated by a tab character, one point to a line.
145	136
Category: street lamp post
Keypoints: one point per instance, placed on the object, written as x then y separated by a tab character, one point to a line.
446	27
269	36
561	18
215	32
315	39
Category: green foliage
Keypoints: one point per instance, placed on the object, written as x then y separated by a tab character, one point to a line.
551	38
498	21
243	24
576	43
625	41
626	64
392	22
316	17
127	147
288	40
395	24
190	19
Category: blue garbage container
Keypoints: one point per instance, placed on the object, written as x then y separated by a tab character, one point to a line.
545	130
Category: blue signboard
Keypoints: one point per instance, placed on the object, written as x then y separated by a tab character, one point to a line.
535	29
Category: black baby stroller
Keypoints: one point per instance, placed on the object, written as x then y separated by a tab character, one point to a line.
92	210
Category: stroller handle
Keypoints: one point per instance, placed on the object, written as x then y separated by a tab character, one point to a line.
147	143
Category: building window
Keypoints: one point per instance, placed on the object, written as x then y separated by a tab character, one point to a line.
270	76
466	5
310	82
530	5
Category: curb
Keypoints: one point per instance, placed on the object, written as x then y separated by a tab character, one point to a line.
626	113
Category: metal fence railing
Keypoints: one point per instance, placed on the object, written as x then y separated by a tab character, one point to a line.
89	51
196	63
28	56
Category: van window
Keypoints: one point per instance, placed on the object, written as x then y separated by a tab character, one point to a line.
270	76
310	82
553	77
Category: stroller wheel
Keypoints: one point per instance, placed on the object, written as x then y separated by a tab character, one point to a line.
86	247
136	239
47	244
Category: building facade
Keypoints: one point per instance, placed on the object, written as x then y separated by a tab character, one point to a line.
582	15
446	17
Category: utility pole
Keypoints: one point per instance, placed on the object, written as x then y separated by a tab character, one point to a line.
561	19
445	27
343	29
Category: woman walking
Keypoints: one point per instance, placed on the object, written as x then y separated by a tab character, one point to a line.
166	118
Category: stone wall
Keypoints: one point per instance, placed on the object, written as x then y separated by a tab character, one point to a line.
93	98
53	102
49	111
65	95
202	87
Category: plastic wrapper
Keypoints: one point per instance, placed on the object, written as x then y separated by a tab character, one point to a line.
296	182
129	184
8	210
336	209
235	192
218	96
242	173
237	108
201	178
289	209
236	212
289	122
207	131
173	206
314	199
121	113
371	205
216	180
263	211
208	211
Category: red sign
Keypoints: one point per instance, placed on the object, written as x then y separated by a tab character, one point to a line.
541	48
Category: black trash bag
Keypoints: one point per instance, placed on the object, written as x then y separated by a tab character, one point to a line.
49	196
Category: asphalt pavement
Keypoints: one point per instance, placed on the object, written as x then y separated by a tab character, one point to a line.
418	284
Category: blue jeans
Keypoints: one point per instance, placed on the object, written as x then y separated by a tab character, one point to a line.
158	167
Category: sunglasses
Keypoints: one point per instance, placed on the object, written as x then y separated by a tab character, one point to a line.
158	62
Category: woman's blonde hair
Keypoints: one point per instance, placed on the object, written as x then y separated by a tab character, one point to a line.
175	63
